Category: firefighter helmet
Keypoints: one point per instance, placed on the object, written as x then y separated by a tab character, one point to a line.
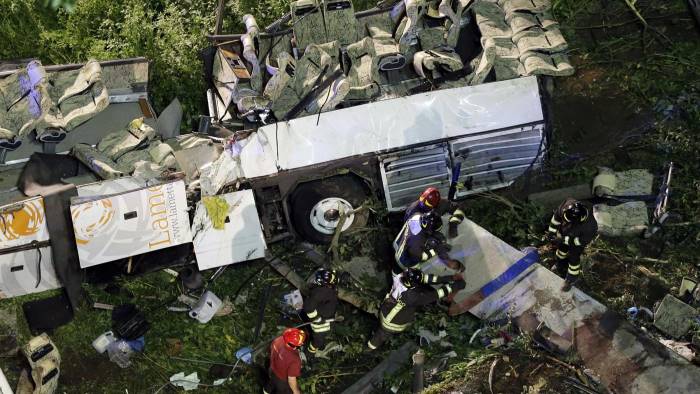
294	337
575	211
411	277
430	221
324	277
430	197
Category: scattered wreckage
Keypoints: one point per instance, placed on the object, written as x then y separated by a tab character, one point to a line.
446	98
308	119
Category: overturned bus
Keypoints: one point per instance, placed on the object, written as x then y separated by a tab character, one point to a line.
308	118
329	106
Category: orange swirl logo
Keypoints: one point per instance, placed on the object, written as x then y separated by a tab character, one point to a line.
90	219
24	221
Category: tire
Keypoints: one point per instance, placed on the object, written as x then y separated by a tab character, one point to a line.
316	196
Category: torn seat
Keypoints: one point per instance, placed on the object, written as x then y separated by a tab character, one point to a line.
537	63
533	6
626	184
456	19
24	102
407	31
85	97
340	22
280	88
385	49
362	74
519	21
307	23
628	219
491	20
434	62
538	39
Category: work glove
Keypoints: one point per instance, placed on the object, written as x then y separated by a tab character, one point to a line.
458	285
549	237
452	229
457	276
455	265
432	243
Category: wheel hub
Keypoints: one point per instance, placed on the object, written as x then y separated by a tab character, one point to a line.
325	215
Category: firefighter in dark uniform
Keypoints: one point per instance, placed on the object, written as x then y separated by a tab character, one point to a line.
420	240
572	228
410	291
430	200
320	306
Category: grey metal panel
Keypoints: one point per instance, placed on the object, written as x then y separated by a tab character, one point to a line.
406	174
494	160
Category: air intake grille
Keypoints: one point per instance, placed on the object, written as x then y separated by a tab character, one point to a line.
491	161
406	174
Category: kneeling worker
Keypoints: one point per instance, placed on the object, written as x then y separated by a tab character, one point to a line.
320	306
410	291
570	230
419	241
285	362
430	201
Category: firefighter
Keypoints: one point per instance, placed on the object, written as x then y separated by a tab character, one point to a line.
320	306
285	362
420	240
430	200
410	291
572	228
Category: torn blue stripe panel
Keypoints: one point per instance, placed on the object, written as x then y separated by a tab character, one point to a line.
511	273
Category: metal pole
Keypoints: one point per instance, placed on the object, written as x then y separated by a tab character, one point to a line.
418	361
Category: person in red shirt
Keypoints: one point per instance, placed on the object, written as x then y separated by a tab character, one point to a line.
285	363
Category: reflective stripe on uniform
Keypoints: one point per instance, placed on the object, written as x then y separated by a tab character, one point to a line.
552	229
577	241
321	327
369	345
457	216
386	321
566	240
312	315
312	348
427	255
401	242
443	291
554	221
574	269
561	254
429	278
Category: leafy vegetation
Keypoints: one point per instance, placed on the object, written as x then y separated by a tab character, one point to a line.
642	55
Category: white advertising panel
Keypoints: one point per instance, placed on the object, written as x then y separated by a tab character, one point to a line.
131	223
31	270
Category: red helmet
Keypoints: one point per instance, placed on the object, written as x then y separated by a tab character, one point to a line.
430	197
294	337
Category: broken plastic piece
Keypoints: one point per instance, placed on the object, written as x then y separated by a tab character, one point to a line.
188	383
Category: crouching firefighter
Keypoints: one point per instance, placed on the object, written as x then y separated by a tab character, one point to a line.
419	241
285	362
320	306
430	201
410	291
570	230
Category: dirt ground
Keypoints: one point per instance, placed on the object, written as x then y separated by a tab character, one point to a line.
595	116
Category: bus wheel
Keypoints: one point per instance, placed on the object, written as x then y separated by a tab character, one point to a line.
316	207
